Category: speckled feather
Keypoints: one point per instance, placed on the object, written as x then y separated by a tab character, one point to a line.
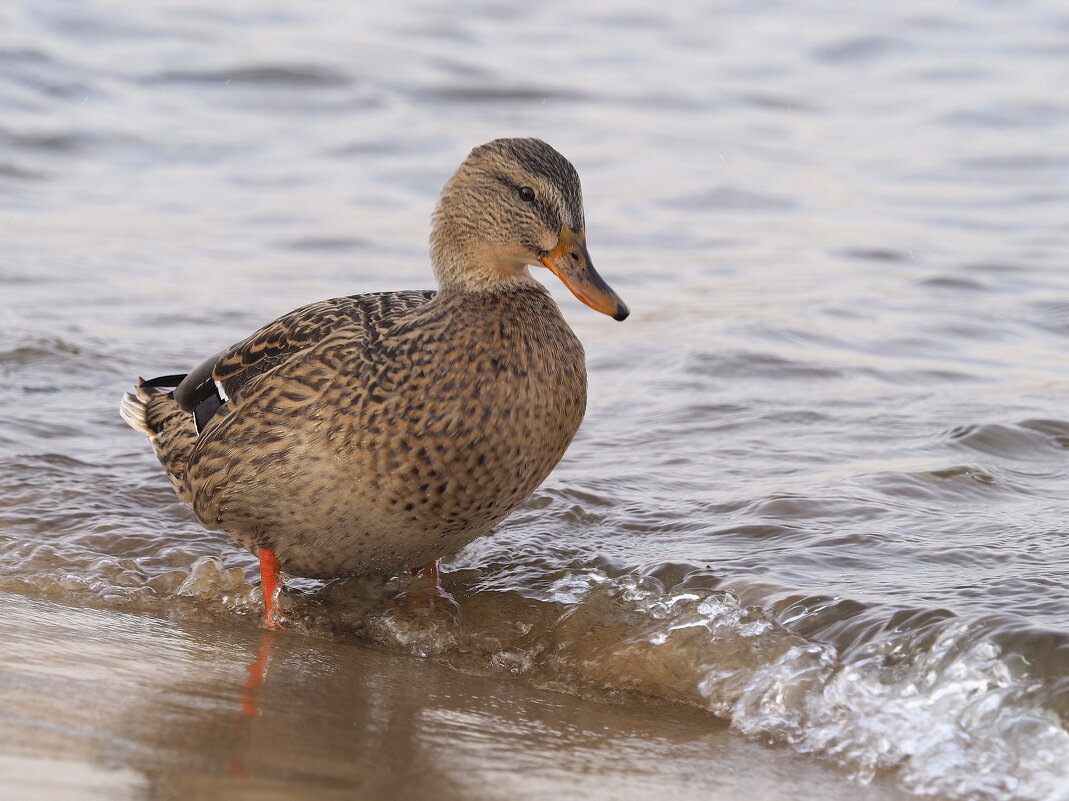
378	432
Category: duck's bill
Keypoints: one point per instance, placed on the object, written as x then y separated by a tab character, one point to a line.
570	262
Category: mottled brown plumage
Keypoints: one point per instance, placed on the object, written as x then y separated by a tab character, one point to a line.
378	432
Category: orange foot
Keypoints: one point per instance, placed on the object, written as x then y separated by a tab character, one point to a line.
269	570
425	596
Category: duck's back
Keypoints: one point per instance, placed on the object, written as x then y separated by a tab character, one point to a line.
178	421
409	427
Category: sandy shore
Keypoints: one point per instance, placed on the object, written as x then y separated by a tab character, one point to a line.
100	704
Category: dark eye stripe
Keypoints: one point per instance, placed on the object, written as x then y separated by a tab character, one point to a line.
548	214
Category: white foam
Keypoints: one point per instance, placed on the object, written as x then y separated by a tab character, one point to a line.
958	718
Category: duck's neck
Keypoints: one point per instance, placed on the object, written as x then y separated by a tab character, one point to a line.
464	261
466	274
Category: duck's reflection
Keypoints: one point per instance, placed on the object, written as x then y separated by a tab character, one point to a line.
334	711
257	673
250	702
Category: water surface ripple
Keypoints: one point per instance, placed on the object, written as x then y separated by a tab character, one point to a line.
821	490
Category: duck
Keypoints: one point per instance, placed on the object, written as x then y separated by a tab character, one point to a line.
377	433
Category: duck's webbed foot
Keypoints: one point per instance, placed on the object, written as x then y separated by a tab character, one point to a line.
425	595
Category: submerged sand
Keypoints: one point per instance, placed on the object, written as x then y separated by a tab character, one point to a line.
109	705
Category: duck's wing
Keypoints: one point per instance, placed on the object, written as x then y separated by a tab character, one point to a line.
222	377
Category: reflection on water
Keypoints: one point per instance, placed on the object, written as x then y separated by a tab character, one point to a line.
257	673
173	705
821	487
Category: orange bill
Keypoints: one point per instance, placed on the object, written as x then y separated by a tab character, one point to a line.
570	262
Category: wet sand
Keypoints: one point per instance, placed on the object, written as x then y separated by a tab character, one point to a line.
109	705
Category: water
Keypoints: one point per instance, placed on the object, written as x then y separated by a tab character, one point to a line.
185	718
821	487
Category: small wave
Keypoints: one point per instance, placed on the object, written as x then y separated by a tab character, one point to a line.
955	483
1057	431
1017	442
501	94
967	708
731	198
726	364
273	75
326	243
30	361
877	254
954	282
1019	115
1051	315
858	49
792	103
950	706
1042	165
17	171
57	142
39	349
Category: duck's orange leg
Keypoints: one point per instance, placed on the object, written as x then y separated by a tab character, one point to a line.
269	570
426	593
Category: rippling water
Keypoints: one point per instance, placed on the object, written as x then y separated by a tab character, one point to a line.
822	487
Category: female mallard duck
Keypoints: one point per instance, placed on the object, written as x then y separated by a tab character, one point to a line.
378	432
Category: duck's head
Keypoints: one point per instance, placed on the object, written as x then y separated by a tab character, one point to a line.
514	203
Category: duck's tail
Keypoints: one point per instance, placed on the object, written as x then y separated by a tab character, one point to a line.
152	410
134	409
138	408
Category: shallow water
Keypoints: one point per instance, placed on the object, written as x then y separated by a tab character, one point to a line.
821	487
215	711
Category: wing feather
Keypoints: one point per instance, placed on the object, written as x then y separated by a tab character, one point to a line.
227	372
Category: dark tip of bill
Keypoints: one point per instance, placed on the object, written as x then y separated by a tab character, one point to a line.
621	312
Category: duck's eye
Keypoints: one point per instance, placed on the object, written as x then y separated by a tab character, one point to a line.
527	194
